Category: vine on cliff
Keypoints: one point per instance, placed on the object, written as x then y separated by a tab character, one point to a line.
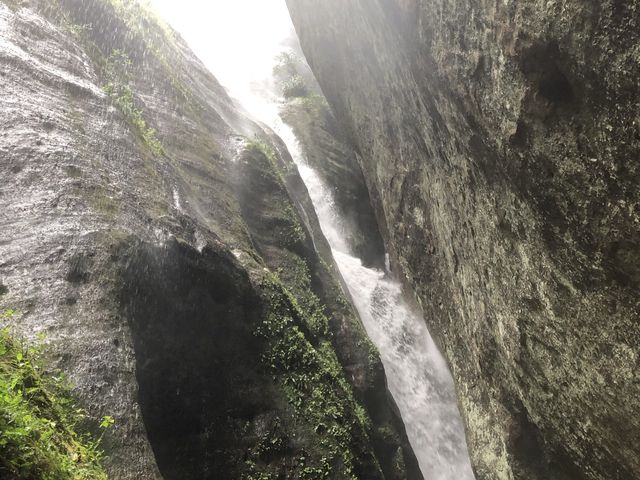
118	88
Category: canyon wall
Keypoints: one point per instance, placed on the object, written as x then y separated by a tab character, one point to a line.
500	145
164	246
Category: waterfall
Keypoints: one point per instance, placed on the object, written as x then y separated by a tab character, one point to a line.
417	375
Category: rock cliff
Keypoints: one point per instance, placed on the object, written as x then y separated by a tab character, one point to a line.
163	243
500	144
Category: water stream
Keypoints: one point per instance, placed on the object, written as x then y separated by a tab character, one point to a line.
418	377
417	374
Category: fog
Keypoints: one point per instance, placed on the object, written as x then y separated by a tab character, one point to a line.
236	39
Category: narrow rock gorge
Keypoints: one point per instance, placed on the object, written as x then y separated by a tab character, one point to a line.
500	145
192	290
163	245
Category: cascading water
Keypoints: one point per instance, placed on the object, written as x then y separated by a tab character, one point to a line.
418	376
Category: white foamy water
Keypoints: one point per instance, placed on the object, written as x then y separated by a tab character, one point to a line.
324	204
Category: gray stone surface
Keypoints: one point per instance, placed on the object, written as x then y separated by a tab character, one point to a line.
144	259
500	142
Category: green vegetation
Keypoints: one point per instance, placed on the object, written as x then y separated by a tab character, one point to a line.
315	386
286	66
330	425
38	437
118	88
144	28
262	149
264	159
297	233
287	75
296	277
295	87
317	107
141	19
9	313
157	37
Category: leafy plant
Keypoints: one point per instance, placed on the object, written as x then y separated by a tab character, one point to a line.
295	87
9	313
148	29
38	419
289	75
118	88
314	383
107	421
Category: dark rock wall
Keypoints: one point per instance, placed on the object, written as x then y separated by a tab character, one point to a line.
500	142
170	262
192	316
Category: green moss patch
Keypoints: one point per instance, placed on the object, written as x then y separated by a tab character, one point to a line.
296	277
263	184
119	89
314	385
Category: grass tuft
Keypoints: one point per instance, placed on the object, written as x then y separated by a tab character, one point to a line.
38	419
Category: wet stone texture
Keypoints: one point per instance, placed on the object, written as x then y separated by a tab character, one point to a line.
500	142
221	349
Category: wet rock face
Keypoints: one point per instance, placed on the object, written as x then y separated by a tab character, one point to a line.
500	142
64	152
305	264
331	153
192	316
172	263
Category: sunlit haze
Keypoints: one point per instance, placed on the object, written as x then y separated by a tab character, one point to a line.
236	39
